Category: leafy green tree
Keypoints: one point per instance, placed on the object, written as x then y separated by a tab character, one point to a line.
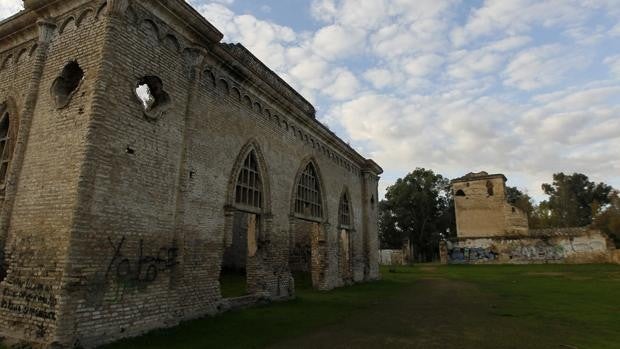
418	207
520	199
608	219
574	199
542	217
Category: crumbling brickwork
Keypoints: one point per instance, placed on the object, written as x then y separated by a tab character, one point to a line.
490	230
118	208
482	209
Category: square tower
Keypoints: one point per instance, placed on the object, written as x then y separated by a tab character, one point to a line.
482	209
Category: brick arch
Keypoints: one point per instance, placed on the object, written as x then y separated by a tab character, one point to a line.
347	192
9	105
6	61
103	7
66	23
310	160
20	55
223	86
171	42
263	170
149	25
84	15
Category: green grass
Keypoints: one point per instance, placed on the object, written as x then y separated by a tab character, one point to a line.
540	306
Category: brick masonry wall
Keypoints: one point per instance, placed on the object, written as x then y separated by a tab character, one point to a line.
479	214
41	211
122	216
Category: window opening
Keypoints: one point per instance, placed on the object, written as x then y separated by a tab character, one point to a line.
248	191
308	201
67	83
154	100
345	216
5	151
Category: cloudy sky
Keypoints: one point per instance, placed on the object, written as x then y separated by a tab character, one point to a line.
522	87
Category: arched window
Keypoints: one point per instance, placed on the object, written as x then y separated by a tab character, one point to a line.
460	193
6	150
344	211
249	188
308	201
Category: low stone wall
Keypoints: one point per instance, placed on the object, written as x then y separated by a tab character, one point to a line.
391	257
553	246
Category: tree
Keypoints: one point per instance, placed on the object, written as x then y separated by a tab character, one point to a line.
542	217
574	200
520	200
418	207
608	219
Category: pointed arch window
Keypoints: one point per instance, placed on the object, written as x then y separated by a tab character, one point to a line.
308	201
249	188
6	150
344	213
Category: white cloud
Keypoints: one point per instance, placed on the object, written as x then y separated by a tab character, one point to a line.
380	77
335	41
324	10
423	65
9	8
542	66
515	17
344	86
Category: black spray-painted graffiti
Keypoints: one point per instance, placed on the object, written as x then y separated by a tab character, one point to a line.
38	298
144	269
538	252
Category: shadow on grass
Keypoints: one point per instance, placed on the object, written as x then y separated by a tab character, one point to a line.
264	325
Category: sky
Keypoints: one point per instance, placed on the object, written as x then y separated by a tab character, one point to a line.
526	88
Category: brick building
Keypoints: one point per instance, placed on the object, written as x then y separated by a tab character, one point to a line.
141	157
491	230
482	209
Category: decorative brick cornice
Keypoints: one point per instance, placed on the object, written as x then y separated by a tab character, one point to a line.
245	57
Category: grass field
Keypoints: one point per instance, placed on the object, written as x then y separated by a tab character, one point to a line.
540	306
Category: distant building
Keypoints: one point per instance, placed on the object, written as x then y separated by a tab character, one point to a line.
490	230
482	209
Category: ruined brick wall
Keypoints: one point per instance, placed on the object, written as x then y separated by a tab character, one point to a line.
482	209
37	212
122	215
550	246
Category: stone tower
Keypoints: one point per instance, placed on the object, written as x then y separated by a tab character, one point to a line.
482	209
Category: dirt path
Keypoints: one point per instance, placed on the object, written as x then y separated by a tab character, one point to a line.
431	313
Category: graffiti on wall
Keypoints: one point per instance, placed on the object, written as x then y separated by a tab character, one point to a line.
537	252
525	250
127	271
143	268
471	255
29	298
